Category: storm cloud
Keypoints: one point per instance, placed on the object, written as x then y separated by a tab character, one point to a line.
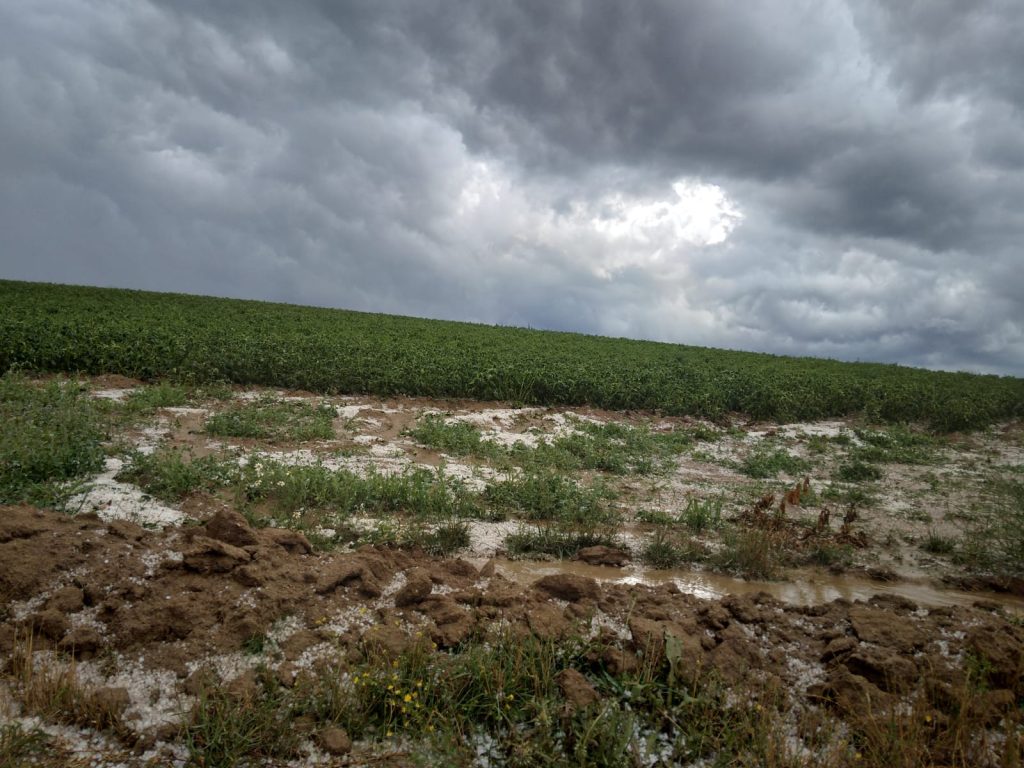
837	178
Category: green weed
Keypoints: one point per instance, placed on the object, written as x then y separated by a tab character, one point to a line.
857	471
270	419
752	554
457	438
766	463
162	395
896	444
171	475
667	550
937	544
554	541
224	730
550	496
701	515
18	745
995	540
49	434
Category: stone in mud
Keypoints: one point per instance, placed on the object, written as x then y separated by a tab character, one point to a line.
202	679
125	529
888	671
619	661
231	528
601	555
568	586
81	642
648	639
66	600
50	623
577	689
173	619
883	628
501	594
212	556
293	541
417	586
335	741
286	674
898	603
250	575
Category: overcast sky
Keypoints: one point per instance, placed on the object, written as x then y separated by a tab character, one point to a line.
819	177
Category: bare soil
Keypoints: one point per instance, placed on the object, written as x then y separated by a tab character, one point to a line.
147	612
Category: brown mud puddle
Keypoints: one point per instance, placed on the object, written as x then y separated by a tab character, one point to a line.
804	587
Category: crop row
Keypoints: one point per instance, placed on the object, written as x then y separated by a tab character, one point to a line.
201	339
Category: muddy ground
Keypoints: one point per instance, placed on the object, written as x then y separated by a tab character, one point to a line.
151	602
148	614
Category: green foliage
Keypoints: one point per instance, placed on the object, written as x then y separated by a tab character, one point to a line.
550	496
937	544
457	438
898	444
555	541
173	475
701	515
995	542
613	448
752	554
666	550
270	419
225	731
197	339
857	471
18	744
766	463
294	489
49	434
446	538
161	395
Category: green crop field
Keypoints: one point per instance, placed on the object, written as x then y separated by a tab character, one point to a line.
200	339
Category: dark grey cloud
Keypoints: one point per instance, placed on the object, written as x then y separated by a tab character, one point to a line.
838	178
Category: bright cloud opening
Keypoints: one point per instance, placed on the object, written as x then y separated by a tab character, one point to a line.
701	214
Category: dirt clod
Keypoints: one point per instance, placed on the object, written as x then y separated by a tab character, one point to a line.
568	586
601	555
335	741
232	528
417	586
578	691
